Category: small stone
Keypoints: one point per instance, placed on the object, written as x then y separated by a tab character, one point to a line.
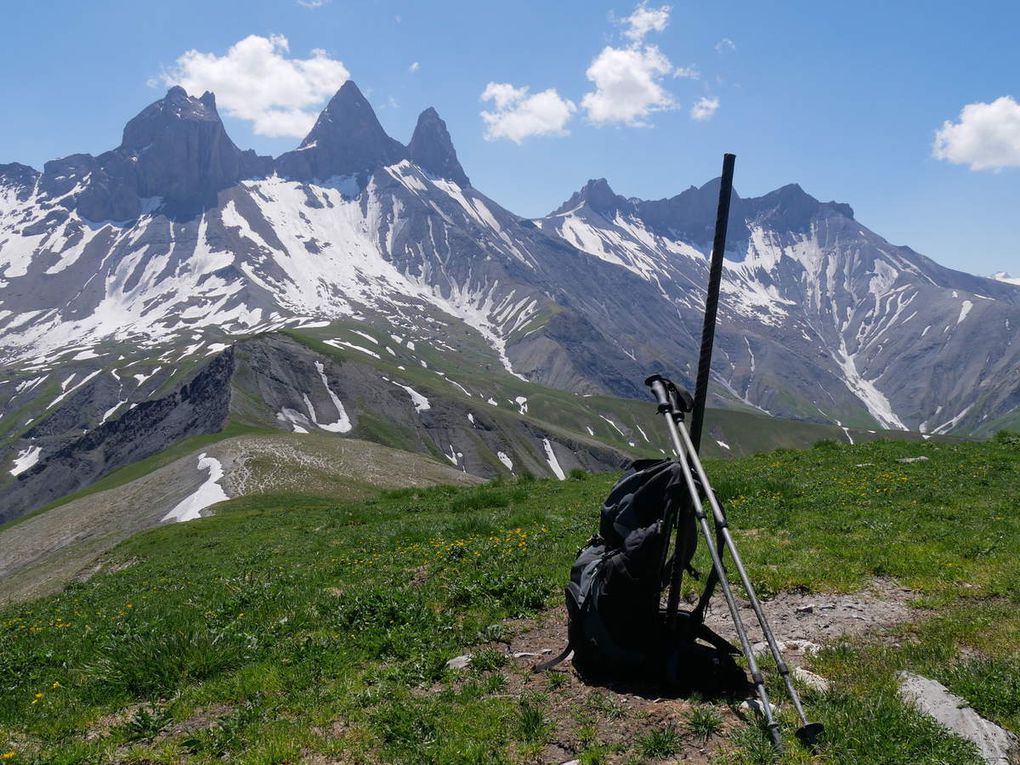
459	662
572	762
909	460
761	648
809	608
754	705
805	647
811	680
864	464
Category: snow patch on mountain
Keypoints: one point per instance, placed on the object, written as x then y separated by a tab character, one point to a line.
26	458
554	464
507	462
421	403
343	422
209	493
875	401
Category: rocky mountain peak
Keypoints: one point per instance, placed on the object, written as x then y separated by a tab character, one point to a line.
597	195
346	139
18	178
432	149
790	207
176	106
175	153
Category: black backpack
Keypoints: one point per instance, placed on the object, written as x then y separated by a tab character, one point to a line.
615	625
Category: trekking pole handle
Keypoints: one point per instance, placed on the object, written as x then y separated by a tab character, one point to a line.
670	398
658	384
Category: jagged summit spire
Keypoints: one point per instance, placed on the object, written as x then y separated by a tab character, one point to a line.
431	148
346	139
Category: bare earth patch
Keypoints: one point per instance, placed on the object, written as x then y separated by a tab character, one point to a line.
797	618
581	714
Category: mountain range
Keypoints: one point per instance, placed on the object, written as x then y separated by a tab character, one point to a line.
126	277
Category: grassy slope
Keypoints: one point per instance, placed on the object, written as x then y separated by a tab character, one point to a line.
306	627
744	431
42	552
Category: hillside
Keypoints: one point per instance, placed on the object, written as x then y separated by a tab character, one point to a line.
248	651
65	432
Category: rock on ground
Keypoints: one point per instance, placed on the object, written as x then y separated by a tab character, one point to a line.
997	746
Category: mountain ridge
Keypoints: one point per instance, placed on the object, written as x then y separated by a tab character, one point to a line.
233	246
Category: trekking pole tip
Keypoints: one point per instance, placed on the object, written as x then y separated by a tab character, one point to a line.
808	734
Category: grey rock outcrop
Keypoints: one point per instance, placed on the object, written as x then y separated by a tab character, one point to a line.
174	155
347	139
996	745
73	460
431	148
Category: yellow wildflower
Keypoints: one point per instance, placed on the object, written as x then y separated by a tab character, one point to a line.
55	685
7	755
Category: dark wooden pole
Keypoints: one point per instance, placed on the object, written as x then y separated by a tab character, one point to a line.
712	299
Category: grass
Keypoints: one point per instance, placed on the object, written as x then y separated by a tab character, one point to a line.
286	628
661	742
703	721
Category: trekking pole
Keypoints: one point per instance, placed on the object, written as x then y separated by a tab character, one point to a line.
668	399
808	732
665	394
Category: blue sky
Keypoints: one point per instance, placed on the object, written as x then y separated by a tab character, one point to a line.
843	98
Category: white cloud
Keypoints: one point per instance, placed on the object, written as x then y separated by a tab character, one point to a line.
987	137
256	81
644	20
518	115
628	80
414	67
725	45
312	3
627	85
704	108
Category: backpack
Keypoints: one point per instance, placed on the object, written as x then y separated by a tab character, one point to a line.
615	625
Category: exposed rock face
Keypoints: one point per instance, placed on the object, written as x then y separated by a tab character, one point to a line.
996	745
432	149
347	139
19	179
175	155
71	463
182	153
276	382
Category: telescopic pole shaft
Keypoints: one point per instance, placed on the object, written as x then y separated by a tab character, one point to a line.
712	298
714	553
720	521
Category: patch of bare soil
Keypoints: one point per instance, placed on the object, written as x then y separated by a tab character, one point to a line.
582	712
803	621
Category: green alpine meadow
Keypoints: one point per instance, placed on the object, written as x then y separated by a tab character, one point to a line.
303	628
401	383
